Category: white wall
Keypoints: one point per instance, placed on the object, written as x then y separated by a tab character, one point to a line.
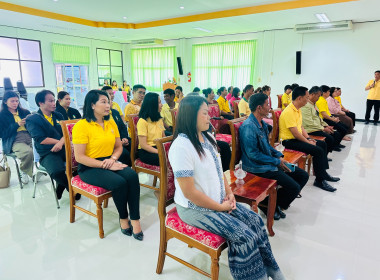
46	42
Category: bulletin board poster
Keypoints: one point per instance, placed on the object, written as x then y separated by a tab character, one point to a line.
83	74
76	75
69	75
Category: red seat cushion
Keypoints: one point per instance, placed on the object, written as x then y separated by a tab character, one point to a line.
78	183
141	164
209	239
224	137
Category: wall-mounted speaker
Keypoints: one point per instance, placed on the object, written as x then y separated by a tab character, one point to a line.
179	63
298	62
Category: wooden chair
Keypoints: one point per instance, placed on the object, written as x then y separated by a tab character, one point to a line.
171	226
214	112
279	100
236	109
76	185
137	164
255	189
174	117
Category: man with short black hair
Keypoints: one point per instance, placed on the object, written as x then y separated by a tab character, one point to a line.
373	98
295	137
46	131
259	158
169	96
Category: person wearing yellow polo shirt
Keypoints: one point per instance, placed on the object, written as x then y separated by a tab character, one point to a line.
166	115
149	128
350	114
178	94
225	110
114	85
295	137
126	87
46	131
324	113
97	148
286	98
134	106
244	102
373	98
15	137
114	105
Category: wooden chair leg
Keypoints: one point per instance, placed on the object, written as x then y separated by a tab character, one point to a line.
302	163
72	208
254	207
99	214
309	161
154	181
214	268
106	203
161	253
271	210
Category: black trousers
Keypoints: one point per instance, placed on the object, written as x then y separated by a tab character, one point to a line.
148	158
54	163
332	140
352	116
124	185
225	154
370	104
319	153
291	184
340	127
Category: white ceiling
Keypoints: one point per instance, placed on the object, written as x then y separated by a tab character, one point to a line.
148	10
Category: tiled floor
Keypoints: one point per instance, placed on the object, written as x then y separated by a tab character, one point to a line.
324	237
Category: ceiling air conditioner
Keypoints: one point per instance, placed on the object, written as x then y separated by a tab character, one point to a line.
148	42
324	26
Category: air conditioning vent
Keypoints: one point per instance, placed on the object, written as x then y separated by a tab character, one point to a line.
148	42
324	26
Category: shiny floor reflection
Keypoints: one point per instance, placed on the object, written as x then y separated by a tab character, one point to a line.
325	236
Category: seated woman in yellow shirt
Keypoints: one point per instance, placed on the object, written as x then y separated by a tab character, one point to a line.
149	128
286	98
97	148
114	85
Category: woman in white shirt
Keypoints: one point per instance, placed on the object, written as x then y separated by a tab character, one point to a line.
205	200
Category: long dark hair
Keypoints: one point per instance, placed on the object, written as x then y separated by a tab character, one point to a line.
61	95
91	98
332	89
149	107
220	90
235	92
7	95
187	122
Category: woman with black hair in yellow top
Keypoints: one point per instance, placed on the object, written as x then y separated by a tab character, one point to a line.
97	148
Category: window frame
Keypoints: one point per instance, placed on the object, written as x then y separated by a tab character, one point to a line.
20	60
110	65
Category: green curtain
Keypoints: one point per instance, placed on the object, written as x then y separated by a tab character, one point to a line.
151	67
223	64
70	54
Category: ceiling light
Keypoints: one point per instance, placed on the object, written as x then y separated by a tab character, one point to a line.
182	7
124	17
203	29
55	0
322	17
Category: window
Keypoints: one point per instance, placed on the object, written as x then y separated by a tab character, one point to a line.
74	80
224	64
20	60
110	66
151	67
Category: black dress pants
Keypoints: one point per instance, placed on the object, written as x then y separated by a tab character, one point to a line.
340	127
331	140
319	153
370	104
54	163
148	158
225	154
124	185
291	184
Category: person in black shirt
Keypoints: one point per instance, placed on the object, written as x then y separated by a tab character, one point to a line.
63	107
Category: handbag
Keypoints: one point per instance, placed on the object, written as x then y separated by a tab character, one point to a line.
5	173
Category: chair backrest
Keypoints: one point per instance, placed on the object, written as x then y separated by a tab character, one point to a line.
279	100
71	163
275	131
24	103
236	109
132	124
235	124
167	186
174	117
36	155
21	89
214	112
7	84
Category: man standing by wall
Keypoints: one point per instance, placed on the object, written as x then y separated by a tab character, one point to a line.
373	99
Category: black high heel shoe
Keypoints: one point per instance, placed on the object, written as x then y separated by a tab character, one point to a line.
138	236
127	231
